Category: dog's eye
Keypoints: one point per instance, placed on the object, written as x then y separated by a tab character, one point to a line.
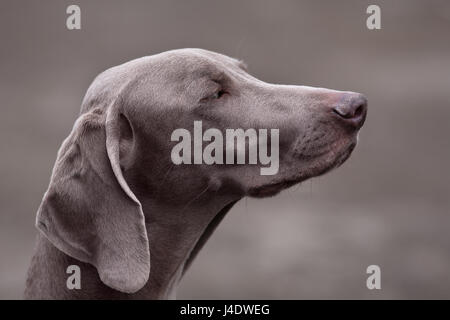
218	94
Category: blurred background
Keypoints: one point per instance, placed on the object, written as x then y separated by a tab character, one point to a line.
387	205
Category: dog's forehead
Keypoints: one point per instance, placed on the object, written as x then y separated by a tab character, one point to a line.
199	61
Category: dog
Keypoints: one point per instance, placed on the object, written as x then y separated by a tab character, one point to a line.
132	220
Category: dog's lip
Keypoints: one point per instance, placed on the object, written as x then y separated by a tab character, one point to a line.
275	187
346	154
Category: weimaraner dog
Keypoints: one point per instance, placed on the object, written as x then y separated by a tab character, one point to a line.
132	220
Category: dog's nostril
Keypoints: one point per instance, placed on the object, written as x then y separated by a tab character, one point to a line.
352	111
359	111
342	113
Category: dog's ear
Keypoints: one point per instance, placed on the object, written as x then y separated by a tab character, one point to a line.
89	212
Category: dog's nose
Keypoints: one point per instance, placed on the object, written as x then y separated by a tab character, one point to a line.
353	111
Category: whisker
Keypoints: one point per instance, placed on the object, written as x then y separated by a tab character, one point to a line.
195	198
164	178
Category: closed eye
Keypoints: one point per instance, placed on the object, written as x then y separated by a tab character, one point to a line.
216	96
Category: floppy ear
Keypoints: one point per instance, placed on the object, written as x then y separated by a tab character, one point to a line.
89	211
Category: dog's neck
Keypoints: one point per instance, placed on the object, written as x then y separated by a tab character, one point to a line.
175	236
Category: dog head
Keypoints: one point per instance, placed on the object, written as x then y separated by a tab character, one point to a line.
122	148
317	128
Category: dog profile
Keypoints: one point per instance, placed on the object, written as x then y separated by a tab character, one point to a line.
132	220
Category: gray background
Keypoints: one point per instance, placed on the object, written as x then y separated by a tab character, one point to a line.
388	205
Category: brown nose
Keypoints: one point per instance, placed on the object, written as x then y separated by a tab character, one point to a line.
353	111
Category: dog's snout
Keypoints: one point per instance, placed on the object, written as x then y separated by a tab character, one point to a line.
353	111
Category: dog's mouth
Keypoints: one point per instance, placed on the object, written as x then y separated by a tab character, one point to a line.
320	167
